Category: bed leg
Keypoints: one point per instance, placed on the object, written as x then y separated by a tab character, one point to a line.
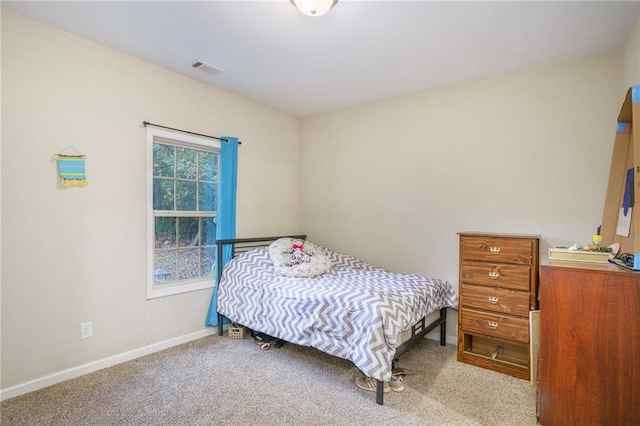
379	392
220	318
443	327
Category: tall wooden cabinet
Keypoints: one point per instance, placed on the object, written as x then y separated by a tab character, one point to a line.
498	288
589	355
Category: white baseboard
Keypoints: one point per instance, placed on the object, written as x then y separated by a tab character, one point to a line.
61	376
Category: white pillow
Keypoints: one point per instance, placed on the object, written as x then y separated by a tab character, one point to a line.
298	258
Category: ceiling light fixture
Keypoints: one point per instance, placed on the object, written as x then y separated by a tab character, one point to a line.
314	7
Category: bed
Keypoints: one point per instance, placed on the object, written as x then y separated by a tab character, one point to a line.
354	311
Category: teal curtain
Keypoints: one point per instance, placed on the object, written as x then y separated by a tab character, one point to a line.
226	220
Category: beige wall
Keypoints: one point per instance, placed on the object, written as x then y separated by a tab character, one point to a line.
76	255
632	57
394	181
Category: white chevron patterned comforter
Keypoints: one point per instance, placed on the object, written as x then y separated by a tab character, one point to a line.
356	311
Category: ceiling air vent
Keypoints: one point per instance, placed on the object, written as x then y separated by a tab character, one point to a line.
208	68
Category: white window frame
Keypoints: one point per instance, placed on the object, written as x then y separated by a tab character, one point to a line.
181	140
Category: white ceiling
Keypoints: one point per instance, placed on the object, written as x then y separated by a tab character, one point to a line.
361	51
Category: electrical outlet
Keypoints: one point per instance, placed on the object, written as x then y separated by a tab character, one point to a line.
86	330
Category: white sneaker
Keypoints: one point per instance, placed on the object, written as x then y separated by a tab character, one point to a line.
396	384
369	384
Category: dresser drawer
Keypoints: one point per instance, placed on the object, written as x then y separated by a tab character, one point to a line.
495	249
500	326
516	277
495	300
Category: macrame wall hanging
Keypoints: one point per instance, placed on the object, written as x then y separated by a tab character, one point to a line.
71	168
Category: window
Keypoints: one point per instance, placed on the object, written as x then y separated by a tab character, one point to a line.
182	192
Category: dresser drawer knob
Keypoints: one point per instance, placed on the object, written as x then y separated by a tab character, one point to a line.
494	250
493	325
494	275
493	300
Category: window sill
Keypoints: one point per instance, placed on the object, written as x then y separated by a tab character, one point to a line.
170	290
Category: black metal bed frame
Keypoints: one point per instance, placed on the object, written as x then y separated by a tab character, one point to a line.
418	330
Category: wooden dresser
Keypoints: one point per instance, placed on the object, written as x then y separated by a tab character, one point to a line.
589	357
498	288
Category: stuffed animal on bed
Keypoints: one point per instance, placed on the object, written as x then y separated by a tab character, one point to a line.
298	253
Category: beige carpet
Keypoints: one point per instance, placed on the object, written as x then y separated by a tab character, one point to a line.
219	381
